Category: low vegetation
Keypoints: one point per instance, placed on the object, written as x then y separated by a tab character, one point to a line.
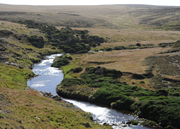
138	69
21	106
67	39
60	61
137	17
101	85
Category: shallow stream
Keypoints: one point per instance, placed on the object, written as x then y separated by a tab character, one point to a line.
49	77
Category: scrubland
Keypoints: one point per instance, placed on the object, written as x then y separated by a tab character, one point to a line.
136	68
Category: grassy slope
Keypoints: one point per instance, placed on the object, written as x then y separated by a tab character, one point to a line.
20	108
140	19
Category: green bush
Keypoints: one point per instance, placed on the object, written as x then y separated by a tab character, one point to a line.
176	44
67	39
60	61
108	49
124	103
160	109
77	70
72	81
119	48
141	82
33	40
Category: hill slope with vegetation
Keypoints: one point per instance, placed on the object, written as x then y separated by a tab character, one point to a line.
21	106
133	63
105	16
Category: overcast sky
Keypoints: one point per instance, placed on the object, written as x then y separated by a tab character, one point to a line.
91	2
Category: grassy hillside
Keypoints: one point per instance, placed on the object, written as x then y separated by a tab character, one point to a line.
20	106
110	16
140	45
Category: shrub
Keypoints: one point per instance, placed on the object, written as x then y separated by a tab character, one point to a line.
119	48
72	81
124	103
108	49
77	70
138	44
141	82
60	61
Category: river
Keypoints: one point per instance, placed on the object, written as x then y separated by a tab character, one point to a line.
49	77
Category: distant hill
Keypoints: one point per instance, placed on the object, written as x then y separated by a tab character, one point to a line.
101	16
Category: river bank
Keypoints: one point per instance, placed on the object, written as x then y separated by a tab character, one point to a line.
103	115
103	86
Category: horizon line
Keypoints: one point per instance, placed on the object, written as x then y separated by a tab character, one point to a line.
89	5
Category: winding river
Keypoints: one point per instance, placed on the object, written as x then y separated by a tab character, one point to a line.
48	79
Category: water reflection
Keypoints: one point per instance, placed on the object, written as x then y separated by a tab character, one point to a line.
106	115
50	77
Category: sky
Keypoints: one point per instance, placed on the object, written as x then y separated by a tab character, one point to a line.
91	2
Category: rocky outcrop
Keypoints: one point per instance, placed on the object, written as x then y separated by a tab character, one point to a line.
13	64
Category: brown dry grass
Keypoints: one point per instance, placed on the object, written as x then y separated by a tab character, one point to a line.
124	60
124	37
29	109
19	28
107	16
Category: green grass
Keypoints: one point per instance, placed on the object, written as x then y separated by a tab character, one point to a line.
13	77
31	110
156	105
27	108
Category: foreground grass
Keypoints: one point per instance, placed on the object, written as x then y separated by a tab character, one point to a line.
22	108
28	109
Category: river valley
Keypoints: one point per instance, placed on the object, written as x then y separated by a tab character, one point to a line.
49	77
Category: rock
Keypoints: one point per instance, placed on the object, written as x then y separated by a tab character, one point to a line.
133	122
123	122
57	98
114	125
128	122
124	126
46	94
87	125
106	124
13	64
